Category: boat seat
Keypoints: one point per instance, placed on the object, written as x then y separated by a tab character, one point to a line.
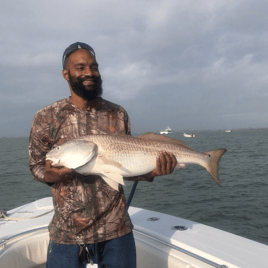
28	250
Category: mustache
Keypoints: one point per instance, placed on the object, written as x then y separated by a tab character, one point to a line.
91	78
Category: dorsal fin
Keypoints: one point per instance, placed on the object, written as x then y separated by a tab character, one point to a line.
153	136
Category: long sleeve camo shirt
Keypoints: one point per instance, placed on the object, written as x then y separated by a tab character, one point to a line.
87	210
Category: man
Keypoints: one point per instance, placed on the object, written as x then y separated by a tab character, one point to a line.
91	219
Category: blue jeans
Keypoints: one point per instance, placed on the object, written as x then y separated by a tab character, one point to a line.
115	253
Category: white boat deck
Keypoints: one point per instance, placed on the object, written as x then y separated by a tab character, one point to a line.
158	243
215	245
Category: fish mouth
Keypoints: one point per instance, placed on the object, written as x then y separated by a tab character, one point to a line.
55	161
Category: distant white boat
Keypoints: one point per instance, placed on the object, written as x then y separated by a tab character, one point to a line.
229	130
187	135
168	130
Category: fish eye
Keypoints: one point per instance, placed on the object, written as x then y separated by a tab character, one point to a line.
58	148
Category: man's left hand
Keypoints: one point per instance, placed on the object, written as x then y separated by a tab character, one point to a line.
165	165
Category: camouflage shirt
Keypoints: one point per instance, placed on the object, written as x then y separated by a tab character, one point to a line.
87	210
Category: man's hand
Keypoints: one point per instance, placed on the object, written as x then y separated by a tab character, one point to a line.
165	164
56	174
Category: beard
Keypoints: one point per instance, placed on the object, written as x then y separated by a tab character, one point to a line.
86	92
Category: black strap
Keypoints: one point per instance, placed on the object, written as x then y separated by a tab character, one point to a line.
84	255
132	193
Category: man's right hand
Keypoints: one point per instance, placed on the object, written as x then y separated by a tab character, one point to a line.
56	174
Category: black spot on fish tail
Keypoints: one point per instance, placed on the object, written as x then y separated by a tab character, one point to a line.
213	165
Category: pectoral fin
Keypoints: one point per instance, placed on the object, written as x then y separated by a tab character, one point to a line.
108	161
110	166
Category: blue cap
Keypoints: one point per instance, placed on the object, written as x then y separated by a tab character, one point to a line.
73	47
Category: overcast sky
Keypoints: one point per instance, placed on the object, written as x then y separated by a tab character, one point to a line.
189	64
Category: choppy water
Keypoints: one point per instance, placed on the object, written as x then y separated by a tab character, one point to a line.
240	206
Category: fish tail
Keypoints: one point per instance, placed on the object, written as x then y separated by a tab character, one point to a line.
213	165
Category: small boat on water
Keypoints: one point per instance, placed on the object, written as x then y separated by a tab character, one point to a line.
168	130
188	135
161	240
228	130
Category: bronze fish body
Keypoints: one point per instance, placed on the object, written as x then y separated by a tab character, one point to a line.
115	157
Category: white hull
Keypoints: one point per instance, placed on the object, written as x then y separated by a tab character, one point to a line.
24	243
188	135
166	131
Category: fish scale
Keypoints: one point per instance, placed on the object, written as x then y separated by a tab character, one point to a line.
127	145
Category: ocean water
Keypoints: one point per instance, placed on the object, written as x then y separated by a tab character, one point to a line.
239	206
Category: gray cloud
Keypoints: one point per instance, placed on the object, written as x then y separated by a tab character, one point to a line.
188	64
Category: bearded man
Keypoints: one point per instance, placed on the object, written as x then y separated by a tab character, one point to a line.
90	223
